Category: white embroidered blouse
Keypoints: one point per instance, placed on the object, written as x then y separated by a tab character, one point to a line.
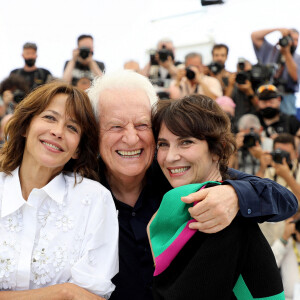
62	233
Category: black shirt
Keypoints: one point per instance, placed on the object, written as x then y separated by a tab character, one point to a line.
286	123
34	78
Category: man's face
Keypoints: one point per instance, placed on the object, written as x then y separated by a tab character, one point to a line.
295	37
194	61
126	139
86	42
274	103
220	55
288	148
29	53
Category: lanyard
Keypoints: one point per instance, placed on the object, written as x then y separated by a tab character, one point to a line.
297	254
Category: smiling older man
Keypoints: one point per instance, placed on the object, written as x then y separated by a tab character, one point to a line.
122	103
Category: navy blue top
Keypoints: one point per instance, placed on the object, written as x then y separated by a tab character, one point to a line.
260	198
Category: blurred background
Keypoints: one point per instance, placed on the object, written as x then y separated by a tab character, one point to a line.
128	29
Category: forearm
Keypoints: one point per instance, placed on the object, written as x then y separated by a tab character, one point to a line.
67	76
263	199
258	36
291	66
294	186
172	69
95	68
207	91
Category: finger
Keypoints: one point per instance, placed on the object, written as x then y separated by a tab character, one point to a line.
207	229
197	196
204	225
200	216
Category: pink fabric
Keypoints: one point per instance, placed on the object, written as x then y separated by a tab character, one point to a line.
163	260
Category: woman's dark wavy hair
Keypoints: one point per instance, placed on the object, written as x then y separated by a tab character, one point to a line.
78	106
200	117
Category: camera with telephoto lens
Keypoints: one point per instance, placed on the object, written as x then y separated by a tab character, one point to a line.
215	67
84	52
284	41
18	96
190	74
278	155
250	139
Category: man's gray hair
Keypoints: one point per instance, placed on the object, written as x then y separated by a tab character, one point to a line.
249	121
124	79
192	55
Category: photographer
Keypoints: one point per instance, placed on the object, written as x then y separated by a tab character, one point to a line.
250	144
33	75
191	80
82	64
283	54
282	164
240	89
286	250
217	67
162	67
13	90
272	120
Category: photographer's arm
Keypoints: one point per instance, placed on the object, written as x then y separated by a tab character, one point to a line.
290	63
283	171
258	36
169	65
67	76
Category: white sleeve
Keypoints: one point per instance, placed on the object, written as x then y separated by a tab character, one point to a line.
279	251
99	262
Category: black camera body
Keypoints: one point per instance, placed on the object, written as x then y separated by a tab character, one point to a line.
164	53
18	96
250	139
278	155
284	41
84	52
215	67
242	76
190	74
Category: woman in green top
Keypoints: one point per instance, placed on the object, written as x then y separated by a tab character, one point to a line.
194	143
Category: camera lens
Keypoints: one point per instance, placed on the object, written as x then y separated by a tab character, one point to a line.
84	52
190	74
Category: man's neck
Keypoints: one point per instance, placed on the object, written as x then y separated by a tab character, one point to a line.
29	69
126	189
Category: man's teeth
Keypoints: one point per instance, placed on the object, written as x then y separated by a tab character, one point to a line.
135	153
180	170
52	146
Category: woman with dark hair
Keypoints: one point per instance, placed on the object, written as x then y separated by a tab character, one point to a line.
58	228
194	143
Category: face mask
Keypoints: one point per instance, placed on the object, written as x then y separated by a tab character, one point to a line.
269	112
30	62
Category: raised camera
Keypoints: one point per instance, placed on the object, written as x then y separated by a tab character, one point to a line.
284	41
250	139
190	74
278	155
84	52
18	96
215	67
164	53
242	76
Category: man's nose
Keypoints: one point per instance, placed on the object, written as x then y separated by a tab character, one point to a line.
130	136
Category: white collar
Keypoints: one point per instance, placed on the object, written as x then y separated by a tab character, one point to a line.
12	198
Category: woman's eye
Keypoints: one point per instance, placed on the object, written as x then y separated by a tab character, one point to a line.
49	117
186	142
161	145
73	128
